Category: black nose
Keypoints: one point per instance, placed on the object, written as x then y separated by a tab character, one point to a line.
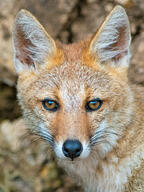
72	148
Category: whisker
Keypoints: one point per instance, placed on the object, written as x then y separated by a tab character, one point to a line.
45	138
105	131
39	132
102	141
43	134
102	134
97	140
97	133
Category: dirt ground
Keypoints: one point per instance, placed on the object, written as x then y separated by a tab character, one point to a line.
25	165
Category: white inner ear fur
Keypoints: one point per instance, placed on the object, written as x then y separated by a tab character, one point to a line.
104	42
28	29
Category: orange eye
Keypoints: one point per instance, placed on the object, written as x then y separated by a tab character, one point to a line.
94	105
50	105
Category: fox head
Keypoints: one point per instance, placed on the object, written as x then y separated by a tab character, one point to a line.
76	97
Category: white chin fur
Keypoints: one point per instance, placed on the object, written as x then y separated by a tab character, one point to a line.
59	153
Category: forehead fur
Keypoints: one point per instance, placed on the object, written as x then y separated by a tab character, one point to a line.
73	71
78	52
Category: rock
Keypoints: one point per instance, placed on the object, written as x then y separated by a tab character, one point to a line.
13	132
91	17
126	3
8	10
136	72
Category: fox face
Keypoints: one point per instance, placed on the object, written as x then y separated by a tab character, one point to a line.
76	97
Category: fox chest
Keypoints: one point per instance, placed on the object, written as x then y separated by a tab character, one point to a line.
136	181
94	179
107	178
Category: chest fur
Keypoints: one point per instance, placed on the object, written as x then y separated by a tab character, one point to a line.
113	175
136	182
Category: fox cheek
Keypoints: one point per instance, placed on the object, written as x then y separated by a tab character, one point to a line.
71	132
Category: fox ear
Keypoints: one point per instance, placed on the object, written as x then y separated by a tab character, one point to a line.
112	40
31	42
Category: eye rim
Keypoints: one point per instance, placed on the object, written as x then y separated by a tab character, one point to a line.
88	109
52	100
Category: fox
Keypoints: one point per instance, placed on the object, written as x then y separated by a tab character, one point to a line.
78	98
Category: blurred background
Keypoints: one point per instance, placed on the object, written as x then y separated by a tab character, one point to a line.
25	165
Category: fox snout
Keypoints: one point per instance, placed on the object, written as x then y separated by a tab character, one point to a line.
71	136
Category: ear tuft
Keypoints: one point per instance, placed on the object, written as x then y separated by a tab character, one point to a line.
112	41
30	41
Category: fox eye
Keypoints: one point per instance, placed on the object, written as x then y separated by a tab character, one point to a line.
50	105
94	105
